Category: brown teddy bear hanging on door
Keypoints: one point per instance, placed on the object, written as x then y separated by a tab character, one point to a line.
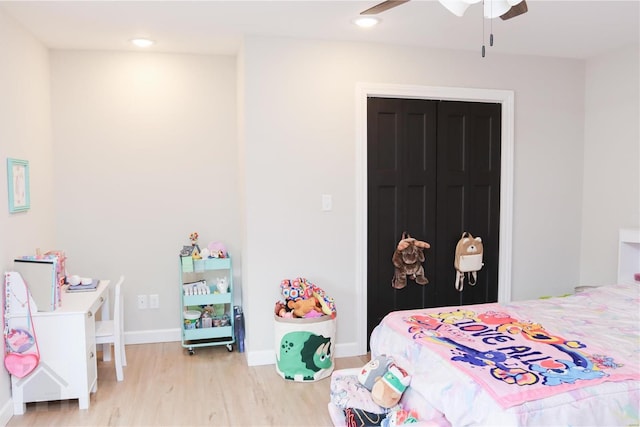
407	260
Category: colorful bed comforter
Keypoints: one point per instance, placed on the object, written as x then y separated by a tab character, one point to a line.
561	361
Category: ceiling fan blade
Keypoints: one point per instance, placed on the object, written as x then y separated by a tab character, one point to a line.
516	10
381	7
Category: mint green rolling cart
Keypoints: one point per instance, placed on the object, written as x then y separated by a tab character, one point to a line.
206	295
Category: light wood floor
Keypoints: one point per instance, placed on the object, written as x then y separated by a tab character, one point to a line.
165	386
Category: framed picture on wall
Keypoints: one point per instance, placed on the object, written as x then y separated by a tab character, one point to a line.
18	182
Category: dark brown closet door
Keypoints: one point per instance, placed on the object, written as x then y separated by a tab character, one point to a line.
468	196
433	170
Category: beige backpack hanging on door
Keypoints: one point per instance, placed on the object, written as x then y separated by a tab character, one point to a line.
468	259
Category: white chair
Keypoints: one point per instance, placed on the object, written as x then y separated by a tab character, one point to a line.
112	332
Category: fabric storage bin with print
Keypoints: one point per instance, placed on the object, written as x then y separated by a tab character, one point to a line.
304	347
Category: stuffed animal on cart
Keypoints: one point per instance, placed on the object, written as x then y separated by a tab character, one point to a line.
407	260
222	284
388	389
217	250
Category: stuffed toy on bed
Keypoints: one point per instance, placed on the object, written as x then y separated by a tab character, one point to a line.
385	379
407	260
373	371
388	390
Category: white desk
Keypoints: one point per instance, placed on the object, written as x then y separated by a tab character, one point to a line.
66	339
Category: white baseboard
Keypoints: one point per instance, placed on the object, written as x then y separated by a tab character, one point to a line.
348	350
152	336
262	357
254	358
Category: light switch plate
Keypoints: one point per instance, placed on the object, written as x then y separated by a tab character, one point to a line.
327	202
154	301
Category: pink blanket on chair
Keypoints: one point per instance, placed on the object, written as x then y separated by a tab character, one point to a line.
513	358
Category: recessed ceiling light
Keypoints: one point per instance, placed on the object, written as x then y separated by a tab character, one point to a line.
142	42
366	21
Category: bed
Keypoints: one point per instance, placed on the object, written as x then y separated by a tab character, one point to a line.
571	360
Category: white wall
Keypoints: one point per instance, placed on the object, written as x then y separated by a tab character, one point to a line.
299	142
25	133
611	161
145	154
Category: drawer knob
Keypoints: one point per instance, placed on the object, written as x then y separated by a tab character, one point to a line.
89	314
91	355
101	300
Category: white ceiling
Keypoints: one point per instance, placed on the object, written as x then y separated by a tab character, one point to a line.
571	29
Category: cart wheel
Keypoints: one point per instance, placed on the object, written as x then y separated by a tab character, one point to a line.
229	347
191	351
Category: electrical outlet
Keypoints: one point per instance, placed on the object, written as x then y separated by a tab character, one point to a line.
154	301
142	302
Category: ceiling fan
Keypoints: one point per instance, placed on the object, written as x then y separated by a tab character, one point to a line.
505	9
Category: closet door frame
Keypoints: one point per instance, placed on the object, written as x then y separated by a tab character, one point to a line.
503	97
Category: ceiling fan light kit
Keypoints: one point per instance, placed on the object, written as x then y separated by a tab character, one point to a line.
505	9
142	42
366	21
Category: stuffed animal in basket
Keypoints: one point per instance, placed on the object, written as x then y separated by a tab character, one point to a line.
305	307
407	260
281	310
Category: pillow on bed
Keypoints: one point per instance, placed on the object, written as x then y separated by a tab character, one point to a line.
347	392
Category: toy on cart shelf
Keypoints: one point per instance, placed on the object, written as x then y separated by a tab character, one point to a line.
217	250
212	250
222	284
